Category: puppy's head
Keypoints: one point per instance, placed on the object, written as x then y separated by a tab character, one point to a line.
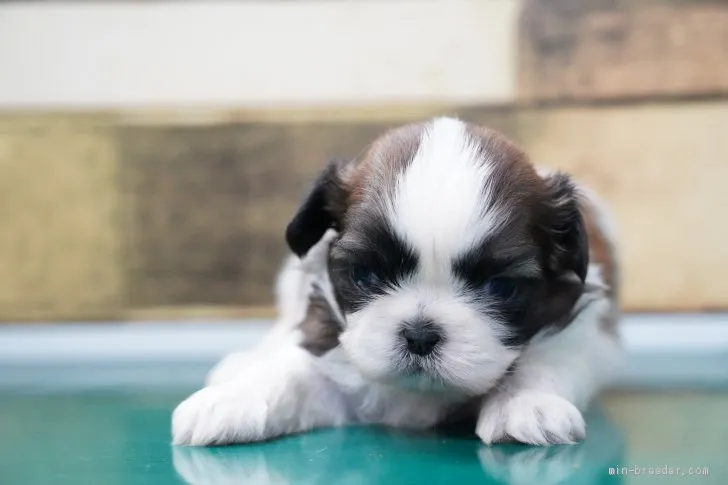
453	253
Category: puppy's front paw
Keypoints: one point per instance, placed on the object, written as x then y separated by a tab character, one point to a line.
530	417
219	415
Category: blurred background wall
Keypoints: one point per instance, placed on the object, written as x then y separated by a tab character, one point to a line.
151	153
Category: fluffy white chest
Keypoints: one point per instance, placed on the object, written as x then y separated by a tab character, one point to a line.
371	402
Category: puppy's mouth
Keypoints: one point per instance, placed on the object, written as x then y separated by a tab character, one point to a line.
419	373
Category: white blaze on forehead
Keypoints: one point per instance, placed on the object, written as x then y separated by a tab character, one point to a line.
439	205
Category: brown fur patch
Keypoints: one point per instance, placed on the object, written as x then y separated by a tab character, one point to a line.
387	156
321	328
514	179
391	153
602	252
610	323
543	220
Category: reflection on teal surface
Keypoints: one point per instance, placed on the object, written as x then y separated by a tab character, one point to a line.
376	456
123	438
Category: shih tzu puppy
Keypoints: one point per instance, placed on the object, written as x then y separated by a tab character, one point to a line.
439	277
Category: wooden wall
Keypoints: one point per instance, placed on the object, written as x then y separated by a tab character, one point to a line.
621	49
136	213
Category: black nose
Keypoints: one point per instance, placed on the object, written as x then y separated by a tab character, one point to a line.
421	336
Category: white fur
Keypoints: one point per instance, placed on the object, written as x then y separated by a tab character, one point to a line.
472	357
277	393
556	378
279	388
439	205
558	375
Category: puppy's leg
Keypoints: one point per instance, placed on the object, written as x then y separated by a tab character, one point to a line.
276	388
554	380
275	394
299	282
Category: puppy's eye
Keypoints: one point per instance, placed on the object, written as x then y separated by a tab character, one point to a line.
363	277
502	288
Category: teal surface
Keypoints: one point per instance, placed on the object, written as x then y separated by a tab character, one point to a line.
123	438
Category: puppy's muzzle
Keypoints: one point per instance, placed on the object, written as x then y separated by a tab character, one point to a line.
421	336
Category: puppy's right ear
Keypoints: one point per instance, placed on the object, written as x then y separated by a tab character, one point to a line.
323	208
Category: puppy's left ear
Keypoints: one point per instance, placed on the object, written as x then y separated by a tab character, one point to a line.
322	209
566	244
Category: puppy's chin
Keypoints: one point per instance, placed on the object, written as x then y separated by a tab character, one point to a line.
469	360
422	382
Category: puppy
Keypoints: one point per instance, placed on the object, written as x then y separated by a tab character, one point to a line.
439	277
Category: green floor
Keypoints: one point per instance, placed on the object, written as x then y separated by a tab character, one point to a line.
123	438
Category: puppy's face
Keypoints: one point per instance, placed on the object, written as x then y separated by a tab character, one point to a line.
452	254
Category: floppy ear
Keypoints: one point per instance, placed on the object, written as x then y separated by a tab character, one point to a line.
566	243
321	209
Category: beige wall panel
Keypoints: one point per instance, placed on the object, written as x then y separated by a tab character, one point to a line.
663	169
102	220
207	205
58	243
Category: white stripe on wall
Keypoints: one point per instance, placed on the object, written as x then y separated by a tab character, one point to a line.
255	53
